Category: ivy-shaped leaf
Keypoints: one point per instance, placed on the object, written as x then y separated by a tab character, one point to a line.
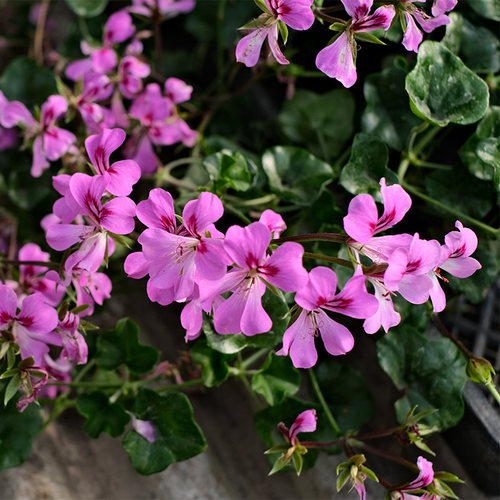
430	371
17	431
277	379
121	346
323	123
443	89
101	415
178	436
214	364
295	174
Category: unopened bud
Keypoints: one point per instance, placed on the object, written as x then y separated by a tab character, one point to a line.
479	370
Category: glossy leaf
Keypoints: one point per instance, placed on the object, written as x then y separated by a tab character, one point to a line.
178	436
295	175
23	80
121	346
17	431
346	394
322	123
430	371
443	89
213	363
487	8
228	170
478	47
367	165
277	379
387	114
102	416
87	8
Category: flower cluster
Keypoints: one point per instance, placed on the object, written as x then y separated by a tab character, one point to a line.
338	59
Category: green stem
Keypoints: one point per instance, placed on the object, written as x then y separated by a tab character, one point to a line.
331	237
491	386
51	265
321	399
254	357
429	164
220	49
60	406
268	198
247	384
456	213
84	371
388	455
334	260
187	383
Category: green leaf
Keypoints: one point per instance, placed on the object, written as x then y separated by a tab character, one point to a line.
461	191
295	175
283	31
178	436
369	37
23	80
476	285
228	170
102	416
226	344
430	371
367	165
87	8
487	8
323	123
477	152
121	346
443	89
214	364
17	431
478	47
12	388
277	379
346	394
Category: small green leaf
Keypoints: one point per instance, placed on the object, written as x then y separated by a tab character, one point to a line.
87	8
283	31
277	379
323	123
121	346
366	166
343	478
487	8
178	436
102	416
368	37
214	364
12	388
298	462
430	371
443	89
23	80
280	463
17	431
295	175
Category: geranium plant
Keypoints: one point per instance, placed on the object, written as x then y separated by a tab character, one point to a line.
231	172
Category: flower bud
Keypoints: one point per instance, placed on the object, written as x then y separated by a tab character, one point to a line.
479	370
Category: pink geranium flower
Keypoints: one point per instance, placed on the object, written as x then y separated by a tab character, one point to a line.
338	60
294	13
305	422
165	8
32	328
122	174
319	294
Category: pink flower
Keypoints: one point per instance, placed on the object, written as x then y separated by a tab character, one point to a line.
295	13
319	294
177	90
412	35
116	216
425	477
32	328
121	175
273	221
385	316
362	220
338	59
305	422
247	248
165	8
131	71
408	268
74	345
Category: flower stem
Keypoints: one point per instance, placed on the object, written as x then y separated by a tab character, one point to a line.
456	213
386	454
321	399
332	237
12	262
334	260
491	387
254	357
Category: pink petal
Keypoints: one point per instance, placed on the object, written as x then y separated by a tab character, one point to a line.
336	337
56	142
284	268
249	47
385	315
305	422
357	8
40	162
198	214
415	289
396	203
177	90
361	219
100	146
336	61
298	341
62	236
441	6
87	192
247	246
210	259
15	113
255	319
319	289
90	255
36	316
77	69
118	28
380	19
412	36
52	109
436	294
118	215
158	210
425	477
273	221
295	13
8	304
272	39
122	175
192	319
104	60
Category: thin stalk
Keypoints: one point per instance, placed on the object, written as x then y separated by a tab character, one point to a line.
268	198
220	49
182	385
388	455
40	32
456	213
321	399
158	42
254	357
41	263
247	385
332	237
491	387
334	260
61	406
